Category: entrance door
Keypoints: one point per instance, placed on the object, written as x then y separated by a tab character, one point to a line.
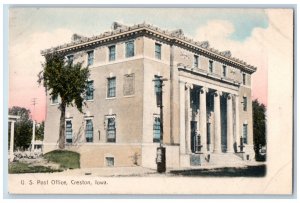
194	137
208	138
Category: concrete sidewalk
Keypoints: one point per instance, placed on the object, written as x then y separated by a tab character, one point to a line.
139	171
111	172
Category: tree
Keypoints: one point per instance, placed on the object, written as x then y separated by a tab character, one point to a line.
23	127
259	126
61	77
39	131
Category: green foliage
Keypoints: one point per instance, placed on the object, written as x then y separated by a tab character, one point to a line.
259	126
66	159
64	79
23	127
67	80
39	131
21	167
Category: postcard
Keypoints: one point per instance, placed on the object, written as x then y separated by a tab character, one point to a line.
150	100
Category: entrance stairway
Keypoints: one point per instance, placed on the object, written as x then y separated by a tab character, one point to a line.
223	160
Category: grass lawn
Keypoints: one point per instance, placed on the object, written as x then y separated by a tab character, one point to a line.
66	159
249	171
21	167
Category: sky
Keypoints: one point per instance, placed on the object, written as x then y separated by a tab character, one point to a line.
245	32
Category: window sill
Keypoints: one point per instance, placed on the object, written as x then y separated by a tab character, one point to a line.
128	96
91	100
110	98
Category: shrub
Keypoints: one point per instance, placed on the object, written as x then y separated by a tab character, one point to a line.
66	159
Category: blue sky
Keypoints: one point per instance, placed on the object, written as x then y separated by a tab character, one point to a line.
92	21
242	31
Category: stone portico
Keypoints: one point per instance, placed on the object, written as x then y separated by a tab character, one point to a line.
209	117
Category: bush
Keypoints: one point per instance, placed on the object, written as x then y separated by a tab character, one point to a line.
21	167
20	155
66	159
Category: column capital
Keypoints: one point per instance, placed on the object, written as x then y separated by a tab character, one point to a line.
217	93
203	90
229	96
189	85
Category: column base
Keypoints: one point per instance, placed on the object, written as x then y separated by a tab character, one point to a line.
184	160
217	151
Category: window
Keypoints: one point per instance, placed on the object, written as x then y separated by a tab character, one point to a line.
111	129
129	49
157	51
196	61
70	59
69	131
128	88
90	90
90	57
110	161
112	52
245	103
211	66
111	87
89	130
224	71
208	136
156	129
244	79
54	99
245	133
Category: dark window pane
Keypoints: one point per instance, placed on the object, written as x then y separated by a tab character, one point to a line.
196	61
129	49
69	131
90	57
90	90
224	71
245	103
70	59
89	130
211	66
54	99
110	161
111	87
111	130
112	53
245	133
157	51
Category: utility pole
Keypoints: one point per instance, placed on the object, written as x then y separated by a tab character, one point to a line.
34	102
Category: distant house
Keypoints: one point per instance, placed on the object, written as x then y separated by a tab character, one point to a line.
38	144
207	100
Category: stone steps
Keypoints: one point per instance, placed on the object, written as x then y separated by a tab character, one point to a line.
222	159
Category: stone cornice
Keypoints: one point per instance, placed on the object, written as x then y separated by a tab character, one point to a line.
212	76
175	37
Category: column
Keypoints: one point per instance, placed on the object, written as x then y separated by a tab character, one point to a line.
202	120
237	122
188	117
11	148
33	136
182	117
217	112
230	148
